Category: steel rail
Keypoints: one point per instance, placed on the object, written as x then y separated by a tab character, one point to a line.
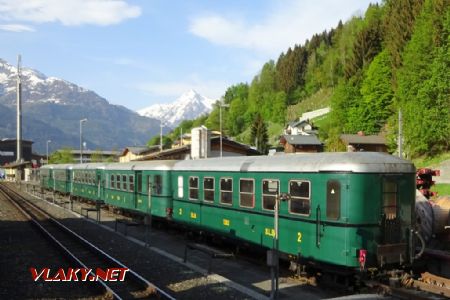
55	240
145	282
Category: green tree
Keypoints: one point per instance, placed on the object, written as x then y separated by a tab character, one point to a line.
259	135
63	156
398	26
368	42
377	94
262	91
166	141
422	87
97	156
236	120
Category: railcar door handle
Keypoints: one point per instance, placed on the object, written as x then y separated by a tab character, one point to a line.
318	223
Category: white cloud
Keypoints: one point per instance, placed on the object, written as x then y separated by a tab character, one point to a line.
172	89
16	28
288	23
69	12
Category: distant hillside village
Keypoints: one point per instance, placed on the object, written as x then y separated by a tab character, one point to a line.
297	137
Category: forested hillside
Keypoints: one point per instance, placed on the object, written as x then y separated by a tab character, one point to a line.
394	57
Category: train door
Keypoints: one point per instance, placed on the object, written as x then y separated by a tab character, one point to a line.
390	221
331	238
138	189
149	190
99	186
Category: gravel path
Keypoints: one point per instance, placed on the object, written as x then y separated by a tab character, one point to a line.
444	167
21	247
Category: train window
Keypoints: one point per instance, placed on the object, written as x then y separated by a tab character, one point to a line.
157	187
333	199
139	182
193	188
389	199
118	182
131	181
226	190
112	182
300	197
247	193
270	190
180	186
124	182
208	189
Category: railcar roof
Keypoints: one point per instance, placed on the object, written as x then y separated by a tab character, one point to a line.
160	165
356	162
62	167
89	166
56	166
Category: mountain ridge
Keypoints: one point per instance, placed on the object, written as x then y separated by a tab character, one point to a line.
52	108
188	106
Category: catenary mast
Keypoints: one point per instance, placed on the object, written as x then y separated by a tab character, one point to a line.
19	111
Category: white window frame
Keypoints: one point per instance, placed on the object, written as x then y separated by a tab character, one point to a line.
253	193
296	197
220	189
124	182
262	193
209	190
191	188
131	182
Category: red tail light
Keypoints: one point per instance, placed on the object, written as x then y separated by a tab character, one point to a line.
169	211
362	258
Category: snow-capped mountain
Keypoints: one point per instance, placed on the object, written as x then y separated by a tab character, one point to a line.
188	106
53	107
38	88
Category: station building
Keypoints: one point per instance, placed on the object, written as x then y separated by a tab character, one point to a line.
11	168
8	151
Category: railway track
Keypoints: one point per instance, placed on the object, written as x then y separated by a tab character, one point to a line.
427	287
84	254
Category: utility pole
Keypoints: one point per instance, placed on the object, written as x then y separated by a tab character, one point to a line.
160	136
48	142
81	139
400	137
221	104
19	110
181	137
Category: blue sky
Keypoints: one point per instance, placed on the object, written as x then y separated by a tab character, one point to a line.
141	52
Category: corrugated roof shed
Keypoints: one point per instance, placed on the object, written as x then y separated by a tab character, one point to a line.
302	139
363	139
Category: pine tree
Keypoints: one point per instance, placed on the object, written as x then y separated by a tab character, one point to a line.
422	90
398	26
377	94
259	135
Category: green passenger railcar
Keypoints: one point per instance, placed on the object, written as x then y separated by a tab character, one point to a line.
62	178
339	207
46	177
140	186
87	181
